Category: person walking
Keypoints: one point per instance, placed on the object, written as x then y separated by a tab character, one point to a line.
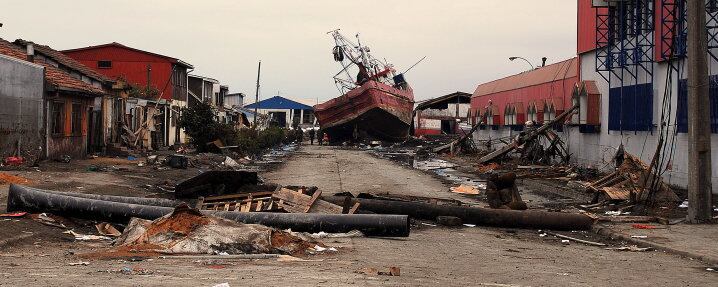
320	136
312	133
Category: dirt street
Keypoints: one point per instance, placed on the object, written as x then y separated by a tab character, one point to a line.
430	256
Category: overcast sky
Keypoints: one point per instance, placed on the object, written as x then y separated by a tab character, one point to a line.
466	42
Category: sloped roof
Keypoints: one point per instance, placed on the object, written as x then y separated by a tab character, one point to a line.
279	103
53	75
558	71
64	60
115	44
441	99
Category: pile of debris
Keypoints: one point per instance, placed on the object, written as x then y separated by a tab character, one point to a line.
187	231
632	182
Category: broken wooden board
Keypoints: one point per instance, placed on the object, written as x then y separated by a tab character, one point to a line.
297	202
528	137
617	193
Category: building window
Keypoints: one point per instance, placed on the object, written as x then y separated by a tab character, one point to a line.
76	121
104	64
630	108
56	117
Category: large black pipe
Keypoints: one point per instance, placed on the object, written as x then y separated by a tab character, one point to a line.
21	198
116	198
473	215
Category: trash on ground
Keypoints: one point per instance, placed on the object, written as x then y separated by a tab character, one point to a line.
80	263
107	229
86	237
10	179
465	189
14	214
632	248
186	231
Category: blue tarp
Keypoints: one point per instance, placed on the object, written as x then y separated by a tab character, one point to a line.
279	103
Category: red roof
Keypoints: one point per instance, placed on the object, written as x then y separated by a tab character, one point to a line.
56	77
64	60
554	72
115	44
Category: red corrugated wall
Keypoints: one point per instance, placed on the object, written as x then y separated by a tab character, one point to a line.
586	26
553	83
130	65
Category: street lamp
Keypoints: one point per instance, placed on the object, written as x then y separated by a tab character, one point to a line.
522	58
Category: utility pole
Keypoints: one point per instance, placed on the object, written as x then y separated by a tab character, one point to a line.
699	131
256	95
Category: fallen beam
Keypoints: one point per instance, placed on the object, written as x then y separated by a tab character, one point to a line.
474	215
528	137
22	198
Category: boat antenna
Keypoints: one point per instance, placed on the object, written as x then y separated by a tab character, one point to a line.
414	65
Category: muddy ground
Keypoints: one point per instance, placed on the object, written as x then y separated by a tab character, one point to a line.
431	256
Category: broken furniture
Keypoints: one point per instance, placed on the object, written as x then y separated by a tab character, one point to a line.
22	198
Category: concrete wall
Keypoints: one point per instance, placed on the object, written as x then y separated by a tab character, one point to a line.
21	107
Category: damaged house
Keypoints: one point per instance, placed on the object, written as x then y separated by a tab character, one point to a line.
48	100
158	86
444	115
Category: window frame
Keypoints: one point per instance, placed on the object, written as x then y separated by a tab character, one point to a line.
99	66
76	118
57	122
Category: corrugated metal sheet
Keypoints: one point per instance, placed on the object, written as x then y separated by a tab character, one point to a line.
552	84
551	73
586	27
128	63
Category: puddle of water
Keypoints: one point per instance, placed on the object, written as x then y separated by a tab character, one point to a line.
444	169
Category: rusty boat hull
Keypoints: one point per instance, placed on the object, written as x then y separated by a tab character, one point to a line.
371	111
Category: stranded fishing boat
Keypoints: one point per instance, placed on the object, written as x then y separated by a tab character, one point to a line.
376	104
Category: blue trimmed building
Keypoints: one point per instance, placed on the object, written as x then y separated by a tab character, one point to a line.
285	112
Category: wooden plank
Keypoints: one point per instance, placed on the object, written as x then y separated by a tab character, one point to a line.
315	196
239	196
354	208
226	207
260	203
296	202
531	136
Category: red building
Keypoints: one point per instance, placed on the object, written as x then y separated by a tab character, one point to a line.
168	75
537	95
